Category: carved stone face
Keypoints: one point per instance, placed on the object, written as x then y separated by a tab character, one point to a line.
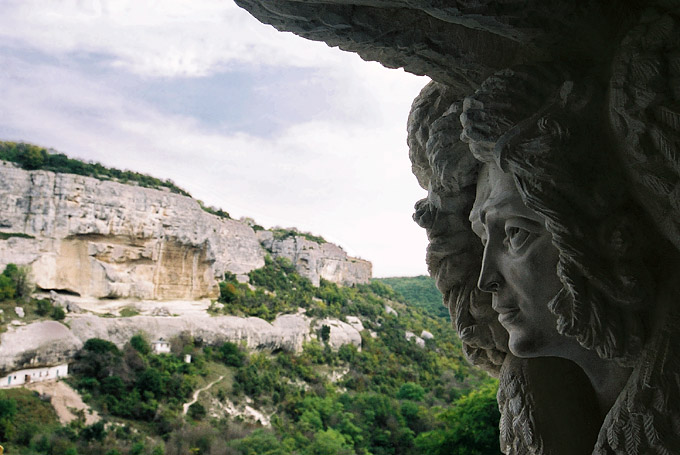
519	265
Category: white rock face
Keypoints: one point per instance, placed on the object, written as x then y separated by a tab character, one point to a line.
355	322
39	344
105	239
341	333
315	261
288	332
51	343
412	336
109	240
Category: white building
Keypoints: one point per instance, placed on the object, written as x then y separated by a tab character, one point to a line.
29	375
161	346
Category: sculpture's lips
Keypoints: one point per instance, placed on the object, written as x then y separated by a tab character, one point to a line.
507	315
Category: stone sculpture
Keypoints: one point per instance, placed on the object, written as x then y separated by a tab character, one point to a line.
549	144
574	270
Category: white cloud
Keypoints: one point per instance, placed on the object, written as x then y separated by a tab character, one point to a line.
157	38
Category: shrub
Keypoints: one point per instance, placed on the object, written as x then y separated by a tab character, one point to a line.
470	426
97	345
58	313
96	432
325	333
231	355
43	307
140	344
411	391
21	277
261	442
347	352
32	157
8	408
228	292
7	288
197	411
113	385
128	312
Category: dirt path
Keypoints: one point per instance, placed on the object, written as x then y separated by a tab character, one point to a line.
196	393
65	401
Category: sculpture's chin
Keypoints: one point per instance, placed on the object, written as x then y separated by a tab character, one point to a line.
530	345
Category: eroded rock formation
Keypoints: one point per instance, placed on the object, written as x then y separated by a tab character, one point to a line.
51	342
318	260
109	240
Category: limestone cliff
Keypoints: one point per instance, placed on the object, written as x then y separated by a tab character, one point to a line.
51	343
318	260
105	239
110	240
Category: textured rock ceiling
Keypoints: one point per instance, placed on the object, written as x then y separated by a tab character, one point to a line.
459	43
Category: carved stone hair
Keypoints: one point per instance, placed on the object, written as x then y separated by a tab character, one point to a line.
545	128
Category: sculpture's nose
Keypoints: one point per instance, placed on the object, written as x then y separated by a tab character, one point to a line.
490	278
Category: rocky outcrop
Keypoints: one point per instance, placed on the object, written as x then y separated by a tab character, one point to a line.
318	260
109	240
105	239
51	343
341	333
39	344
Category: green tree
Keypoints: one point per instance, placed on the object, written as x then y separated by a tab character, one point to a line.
98	359
228	292
151	380
31	157
8	409
7	288
58	313
260	442
197	411
21	279
325	333
23	282
231	355
96	431
411	391
470	427
140	344
43	307
329	442
99	346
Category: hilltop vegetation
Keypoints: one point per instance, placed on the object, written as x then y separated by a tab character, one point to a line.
32	157
392	397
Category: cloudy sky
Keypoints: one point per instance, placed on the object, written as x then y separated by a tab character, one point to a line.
260	123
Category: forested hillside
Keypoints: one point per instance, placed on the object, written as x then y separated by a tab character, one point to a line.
418	291
398	394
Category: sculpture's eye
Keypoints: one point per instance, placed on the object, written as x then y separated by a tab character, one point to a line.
516	237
